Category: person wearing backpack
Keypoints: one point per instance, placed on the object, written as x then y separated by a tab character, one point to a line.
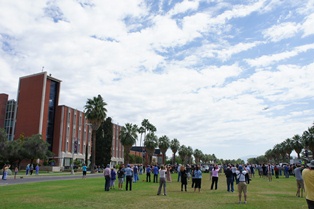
242	183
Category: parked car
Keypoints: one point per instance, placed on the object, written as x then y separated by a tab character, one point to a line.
205	168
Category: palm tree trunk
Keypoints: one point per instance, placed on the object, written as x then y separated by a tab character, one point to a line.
93	151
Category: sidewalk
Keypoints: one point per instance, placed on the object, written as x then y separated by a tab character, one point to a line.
21	179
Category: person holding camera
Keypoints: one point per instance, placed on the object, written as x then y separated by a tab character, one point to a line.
242	185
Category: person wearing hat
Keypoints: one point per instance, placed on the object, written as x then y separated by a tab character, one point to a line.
308	180
242	185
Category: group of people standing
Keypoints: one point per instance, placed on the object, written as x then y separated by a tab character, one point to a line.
30	169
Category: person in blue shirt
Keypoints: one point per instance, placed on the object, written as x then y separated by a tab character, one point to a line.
148	169
84	168
128	175
156	172
113	177
135	173
197	178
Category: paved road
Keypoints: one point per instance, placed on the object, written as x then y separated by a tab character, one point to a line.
23	179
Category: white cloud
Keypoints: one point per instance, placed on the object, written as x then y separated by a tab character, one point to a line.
281	31
184	68
308	25
266	60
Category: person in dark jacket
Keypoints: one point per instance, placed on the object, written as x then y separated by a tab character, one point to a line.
184	177
229	177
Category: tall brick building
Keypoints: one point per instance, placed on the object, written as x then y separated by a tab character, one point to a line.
66	130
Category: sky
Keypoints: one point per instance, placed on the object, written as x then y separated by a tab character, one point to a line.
230	78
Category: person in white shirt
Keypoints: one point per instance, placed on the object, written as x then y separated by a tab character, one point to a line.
242	185
162	180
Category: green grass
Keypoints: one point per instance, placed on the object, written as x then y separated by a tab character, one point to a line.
89	193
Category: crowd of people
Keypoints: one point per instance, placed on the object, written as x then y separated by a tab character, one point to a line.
239	175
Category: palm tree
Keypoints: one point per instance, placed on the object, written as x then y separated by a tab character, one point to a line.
151	142
174	146
189	154
197	155
297	144
95	113
287	146
183	151
128	136
164	144
308	139
141	130
269	155
277	152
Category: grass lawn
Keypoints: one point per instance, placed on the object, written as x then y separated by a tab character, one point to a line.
89	193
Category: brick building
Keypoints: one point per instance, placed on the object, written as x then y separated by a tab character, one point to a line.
65	129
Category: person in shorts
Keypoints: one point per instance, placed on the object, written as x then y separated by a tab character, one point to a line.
298	177
120	177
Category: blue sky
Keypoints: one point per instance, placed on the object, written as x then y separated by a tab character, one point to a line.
200	71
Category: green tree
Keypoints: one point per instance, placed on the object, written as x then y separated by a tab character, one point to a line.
35	147
128	136
189	154
3	146
183	151
104	143
95	113
197	155
308	139
174	146
164	144
151	142
297	144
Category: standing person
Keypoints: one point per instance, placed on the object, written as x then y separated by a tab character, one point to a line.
276	171
135	173
148	169
197	179
162	180
128	175
113	175
269	172
84	168
156	172
107	173
215	175
184	178
287	171
37	169
27	169
179	173
5	171
193	176
308	179
229	177
120	177
168	175
16	170
298	176
31	168
242	186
